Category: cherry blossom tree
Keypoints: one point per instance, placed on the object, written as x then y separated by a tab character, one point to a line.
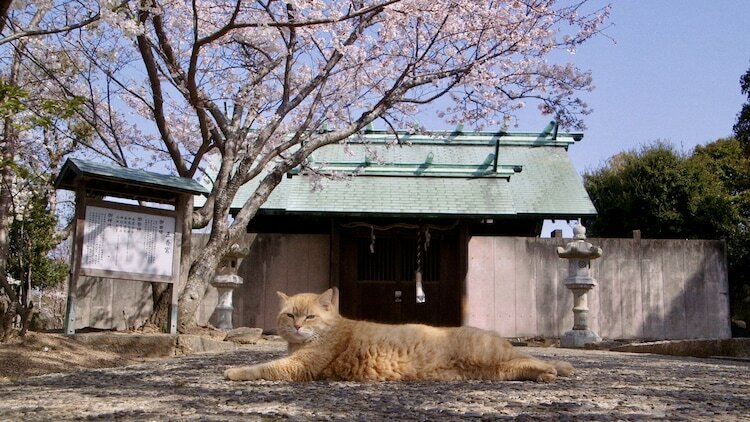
39	123
261	84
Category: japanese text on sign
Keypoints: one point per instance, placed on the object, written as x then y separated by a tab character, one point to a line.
126	241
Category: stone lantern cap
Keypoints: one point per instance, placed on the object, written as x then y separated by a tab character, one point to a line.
579	248
236	251
230	281
231	260
579	254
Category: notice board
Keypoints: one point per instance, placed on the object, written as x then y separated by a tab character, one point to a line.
128	243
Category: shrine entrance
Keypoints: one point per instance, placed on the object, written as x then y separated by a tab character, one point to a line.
378	274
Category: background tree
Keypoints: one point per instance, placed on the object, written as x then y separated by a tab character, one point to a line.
262	84
730	160
739	167
660	192
666	194
32	237
742	127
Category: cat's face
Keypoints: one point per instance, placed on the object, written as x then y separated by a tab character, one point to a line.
304	317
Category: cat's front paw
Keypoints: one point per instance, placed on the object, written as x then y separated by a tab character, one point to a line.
241	374
547	376
231	374
564	369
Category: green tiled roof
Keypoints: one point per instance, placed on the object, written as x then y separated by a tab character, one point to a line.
104	177
443	174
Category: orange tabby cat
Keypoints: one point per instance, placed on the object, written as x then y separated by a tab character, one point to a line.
325	345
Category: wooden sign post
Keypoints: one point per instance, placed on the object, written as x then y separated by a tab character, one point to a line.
128	242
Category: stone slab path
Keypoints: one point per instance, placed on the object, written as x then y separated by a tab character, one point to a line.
606	386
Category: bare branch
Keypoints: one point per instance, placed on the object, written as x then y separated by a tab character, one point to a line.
40	32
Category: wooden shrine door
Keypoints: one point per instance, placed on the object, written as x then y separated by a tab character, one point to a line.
378	278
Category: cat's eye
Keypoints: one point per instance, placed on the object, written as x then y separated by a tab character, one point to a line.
290	316
310	317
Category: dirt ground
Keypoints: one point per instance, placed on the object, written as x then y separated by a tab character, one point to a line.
40	353
46	353
608	386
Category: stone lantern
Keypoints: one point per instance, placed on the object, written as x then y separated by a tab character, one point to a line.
579	254
225	281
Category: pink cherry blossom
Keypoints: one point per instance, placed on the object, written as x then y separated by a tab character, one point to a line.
261	84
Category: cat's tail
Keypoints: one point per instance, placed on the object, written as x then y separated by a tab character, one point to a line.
564	369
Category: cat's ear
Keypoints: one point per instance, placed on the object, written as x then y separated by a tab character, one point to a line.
335	298
326	300
283	298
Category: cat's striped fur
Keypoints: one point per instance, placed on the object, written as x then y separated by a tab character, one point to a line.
325	345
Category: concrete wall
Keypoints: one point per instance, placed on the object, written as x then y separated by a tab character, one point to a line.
290	263
649	289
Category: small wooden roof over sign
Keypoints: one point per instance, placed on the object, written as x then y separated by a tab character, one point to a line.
104	179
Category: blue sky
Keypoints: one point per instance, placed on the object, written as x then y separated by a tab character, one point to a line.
664	70
670	71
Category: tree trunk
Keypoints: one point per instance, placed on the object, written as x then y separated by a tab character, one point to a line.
222	236
201	273
7	176
4	9
158	320
7	320
6	182
26	312
9	311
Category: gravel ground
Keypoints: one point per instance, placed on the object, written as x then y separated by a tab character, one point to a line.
606	386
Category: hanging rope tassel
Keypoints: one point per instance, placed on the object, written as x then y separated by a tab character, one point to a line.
421	298
372	242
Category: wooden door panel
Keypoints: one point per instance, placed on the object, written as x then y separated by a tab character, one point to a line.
371	273
423	313
378	302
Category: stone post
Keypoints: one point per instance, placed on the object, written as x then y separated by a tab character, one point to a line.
579	254
225	281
